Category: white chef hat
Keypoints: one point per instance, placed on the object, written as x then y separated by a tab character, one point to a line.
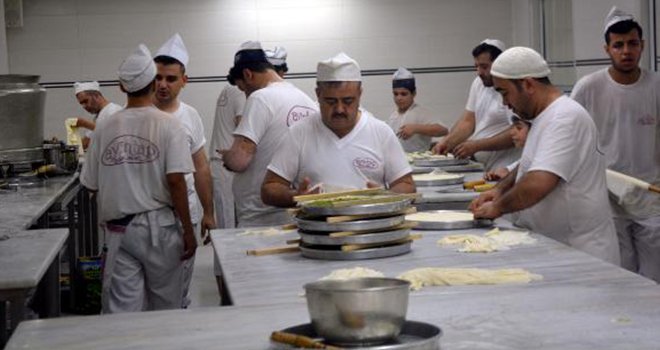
494	42
276	56
615	16
174	48
137	70
338	68
81	86
403	78
519	62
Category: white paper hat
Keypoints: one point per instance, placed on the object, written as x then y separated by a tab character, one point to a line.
276	56
174	48
402	74
85	86
519	62
137	70
615	16
494	42
338	68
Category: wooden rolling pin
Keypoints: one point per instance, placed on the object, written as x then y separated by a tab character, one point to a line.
352	247
403	226
300	341
273	250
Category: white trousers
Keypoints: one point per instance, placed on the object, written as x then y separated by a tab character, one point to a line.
143	268
639	242
223	197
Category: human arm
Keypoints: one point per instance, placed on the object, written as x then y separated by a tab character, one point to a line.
240	155
460	132
176	183
404	184
204	188
494	143
496	174
408	130
277	191
85	123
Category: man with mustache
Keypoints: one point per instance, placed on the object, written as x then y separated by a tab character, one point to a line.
624	102
343	146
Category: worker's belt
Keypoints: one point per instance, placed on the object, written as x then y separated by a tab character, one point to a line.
123	221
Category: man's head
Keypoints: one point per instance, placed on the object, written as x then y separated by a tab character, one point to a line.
520	75
249	62
277	57
519	131
403	89
137	72
171	61
338	90
89	96
484	54
623	41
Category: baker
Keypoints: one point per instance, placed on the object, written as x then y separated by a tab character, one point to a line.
89	96
171	62
412	123
558	188
482	130
624	102
343	145
137	164
272	106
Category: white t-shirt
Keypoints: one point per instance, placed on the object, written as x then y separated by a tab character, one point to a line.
268	114
230	104
563	140
627	120
128	161
192	121
415	114
312	150
108	110
491	118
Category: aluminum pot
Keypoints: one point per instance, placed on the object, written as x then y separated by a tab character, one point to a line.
362	311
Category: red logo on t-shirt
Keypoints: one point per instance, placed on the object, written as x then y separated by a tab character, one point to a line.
129	149
298	113
365	163
646	119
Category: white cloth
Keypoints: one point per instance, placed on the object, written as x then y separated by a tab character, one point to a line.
415	114
615	16
563	140
338	68
192	122
513	165
276	56
496	43
268	114
105	112
143	268
174	48
230	105
79	87
402	74
137	70
128	161
491	118
312	150
627	118
519	62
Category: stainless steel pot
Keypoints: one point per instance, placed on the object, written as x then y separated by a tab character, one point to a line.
22	103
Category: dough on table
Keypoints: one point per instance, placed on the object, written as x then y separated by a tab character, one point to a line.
440	276
350	273
441	216
264	232
491	241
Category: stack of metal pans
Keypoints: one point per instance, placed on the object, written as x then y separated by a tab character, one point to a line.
354	232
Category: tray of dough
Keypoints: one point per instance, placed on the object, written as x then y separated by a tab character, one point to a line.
437	178
335	253
447	220
320	224
357	209
436	160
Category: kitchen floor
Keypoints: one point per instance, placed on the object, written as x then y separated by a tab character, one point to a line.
203	288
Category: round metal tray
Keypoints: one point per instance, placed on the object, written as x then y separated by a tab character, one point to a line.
440	182
376	237
440	162
452	225
414	336
360	209
370	253
359	225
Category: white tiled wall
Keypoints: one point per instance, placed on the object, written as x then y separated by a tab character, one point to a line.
70	40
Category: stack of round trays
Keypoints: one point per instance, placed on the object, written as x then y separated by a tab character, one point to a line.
382	233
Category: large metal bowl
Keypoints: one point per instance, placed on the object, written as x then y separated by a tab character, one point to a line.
362	311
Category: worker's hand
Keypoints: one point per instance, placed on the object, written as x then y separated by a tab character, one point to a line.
441	147
497	174
189	245
208	223
465	149
406	131
304	187
488	210
483	198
